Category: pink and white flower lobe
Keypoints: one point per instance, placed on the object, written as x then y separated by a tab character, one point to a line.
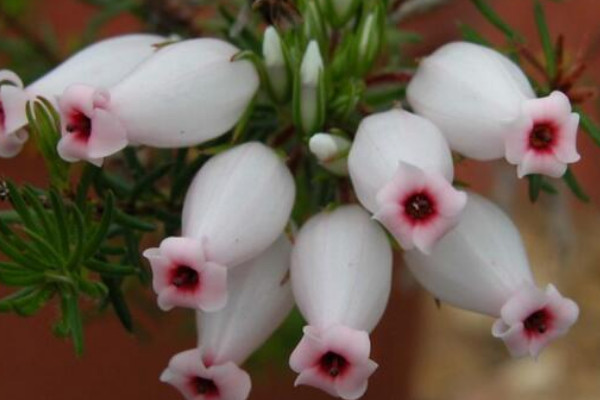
236	207
401	169
533	318
186	94
183	277
199	379
341	278
481	266
485	106
548	143
335	360
94	65
261	298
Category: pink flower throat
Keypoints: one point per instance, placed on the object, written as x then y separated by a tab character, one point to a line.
80	125
542	137
333	364
184	277
419	207
538	322
204	387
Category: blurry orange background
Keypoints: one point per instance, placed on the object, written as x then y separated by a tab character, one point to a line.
424	353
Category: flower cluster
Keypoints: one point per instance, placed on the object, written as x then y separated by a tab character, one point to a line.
240	263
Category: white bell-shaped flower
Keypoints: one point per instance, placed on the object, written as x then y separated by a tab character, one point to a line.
237	205
187	93
485	106
401	169
341	278
261	298
102	64
481	266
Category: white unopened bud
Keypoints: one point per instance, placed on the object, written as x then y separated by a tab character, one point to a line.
309	96
331	151
277	64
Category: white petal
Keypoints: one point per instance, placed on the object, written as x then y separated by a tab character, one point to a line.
188	93
239	202
341	269
260	297
478	265
473	94
386	138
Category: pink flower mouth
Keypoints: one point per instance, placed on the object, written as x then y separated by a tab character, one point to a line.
196	380
335	360
183	277
547	142
79	125
90	130
419	207
533	318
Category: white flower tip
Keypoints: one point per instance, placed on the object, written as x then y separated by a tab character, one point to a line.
531	319
312	65
89	131
272	50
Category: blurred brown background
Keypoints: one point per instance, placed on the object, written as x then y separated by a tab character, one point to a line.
424	353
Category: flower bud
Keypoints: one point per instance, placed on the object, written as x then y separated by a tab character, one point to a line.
369	39
481	266
94	65
486	108
237	206
277	65
309	92
261	298
187	93
401	169
341	278
331	151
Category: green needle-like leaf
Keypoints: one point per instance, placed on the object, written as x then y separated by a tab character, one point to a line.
488	12
571	181
93	244
547	43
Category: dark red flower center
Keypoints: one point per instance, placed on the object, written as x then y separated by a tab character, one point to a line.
537	323
419	206
80	125
542	136
185	277
205	387
333	364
